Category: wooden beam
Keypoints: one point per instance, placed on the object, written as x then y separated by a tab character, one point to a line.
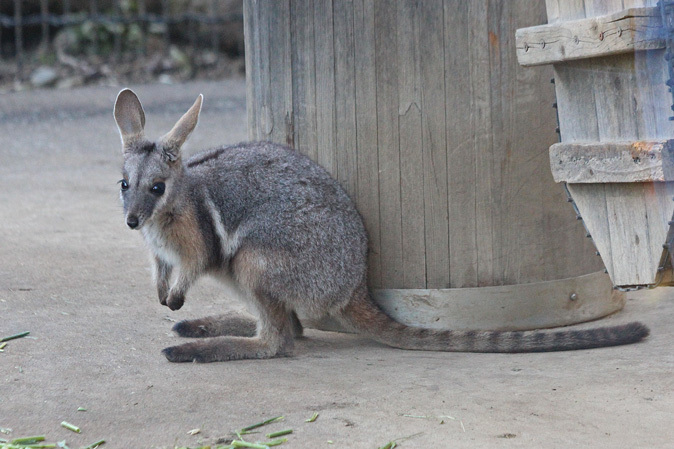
604	162
622	32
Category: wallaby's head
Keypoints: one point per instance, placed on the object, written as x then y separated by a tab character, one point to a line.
152	169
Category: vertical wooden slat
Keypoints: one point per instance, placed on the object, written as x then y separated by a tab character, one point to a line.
552	8
264	88
367	197
481	132
613	79
571	9
432	61
460	156
411	145
386	55
325	84
304	76
627	214
592	201
345	96
251	30
575	94
280	72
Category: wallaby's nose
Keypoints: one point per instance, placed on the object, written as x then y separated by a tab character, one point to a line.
132	221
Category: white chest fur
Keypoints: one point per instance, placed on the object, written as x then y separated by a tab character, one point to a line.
158	244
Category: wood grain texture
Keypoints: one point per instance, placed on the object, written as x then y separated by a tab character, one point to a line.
411	143
434	138
303	77
421	111
390	213
623	32
460	155
367	196
639	161
613	119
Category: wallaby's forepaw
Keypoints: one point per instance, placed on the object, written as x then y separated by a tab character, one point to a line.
174	302
163	296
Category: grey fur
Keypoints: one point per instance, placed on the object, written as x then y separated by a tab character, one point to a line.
279	230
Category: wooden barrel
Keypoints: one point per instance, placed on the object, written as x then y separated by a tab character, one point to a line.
421	111
614	107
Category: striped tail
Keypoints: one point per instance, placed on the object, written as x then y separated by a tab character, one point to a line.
364	316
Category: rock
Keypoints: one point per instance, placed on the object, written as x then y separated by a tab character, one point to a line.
43	76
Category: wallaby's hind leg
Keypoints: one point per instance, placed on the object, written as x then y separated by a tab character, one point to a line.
232	324
274	338
298	329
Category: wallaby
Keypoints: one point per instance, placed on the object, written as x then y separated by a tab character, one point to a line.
272	223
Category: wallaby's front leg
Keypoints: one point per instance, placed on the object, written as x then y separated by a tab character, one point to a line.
176	296
162	275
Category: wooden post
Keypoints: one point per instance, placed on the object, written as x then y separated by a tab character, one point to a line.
421	111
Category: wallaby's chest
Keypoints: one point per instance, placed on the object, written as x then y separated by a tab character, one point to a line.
163	247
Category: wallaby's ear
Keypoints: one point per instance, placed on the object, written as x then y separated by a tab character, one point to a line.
129	116
175	138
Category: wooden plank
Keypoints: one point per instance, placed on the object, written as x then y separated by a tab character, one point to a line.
251	31
389	146
614	86
411	145
304	77
432	65
633	260
481	133
325	85
639	161
345	96
520	307
367	197
591	201
623	32
567	9
575	101
594	8
552	9
460	155
265	124
280	96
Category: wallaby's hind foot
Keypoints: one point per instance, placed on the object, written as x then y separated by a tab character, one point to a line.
231	324
222	349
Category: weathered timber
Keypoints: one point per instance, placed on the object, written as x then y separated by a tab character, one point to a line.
622	32
613	108
605	162
422	113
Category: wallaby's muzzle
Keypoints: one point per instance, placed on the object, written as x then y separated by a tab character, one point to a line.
132	221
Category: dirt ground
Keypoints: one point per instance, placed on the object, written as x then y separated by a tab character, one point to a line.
79	281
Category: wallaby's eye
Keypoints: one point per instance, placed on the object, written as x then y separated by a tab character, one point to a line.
124	184
158	189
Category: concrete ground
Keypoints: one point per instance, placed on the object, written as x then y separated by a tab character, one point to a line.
78	280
